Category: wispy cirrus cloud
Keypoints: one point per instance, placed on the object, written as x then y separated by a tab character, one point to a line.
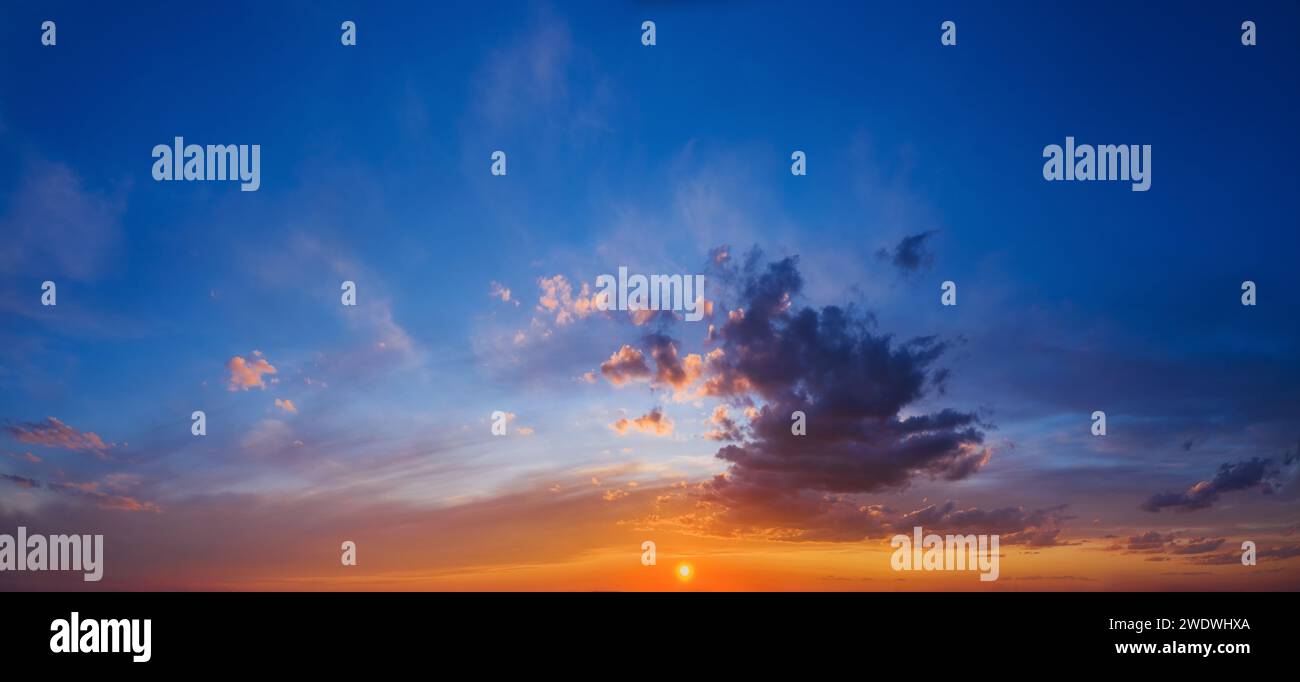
57	226
89	490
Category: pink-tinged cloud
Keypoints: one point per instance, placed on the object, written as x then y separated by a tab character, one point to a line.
501	291
55	434
89	491
125	503
625	366
684	374
724	427
654	423
286	405
557	298
248	373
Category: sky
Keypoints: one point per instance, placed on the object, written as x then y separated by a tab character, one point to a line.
475	293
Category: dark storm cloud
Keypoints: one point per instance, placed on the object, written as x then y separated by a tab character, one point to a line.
852	385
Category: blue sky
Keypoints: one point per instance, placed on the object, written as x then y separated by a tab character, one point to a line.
1073	297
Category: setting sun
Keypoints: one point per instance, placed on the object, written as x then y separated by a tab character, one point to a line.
685	572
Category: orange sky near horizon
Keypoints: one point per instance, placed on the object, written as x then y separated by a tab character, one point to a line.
748	565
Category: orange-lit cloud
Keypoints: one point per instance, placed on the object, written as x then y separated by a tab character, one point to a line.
502	292
248	373
53	433
89	490
653	422
624	366
558	300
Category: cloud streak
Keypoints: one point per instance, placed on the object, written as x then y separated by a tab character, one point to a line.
53	433
1252	473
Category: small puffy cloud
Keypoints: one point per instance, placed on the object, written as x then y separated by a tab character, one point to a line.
910	254
246	373
724	427
286	405
624	366
557	298
653	422
500	291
